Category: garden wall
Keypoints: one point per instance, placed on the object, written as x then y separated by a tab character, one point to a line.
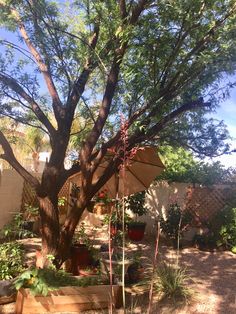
11	185
203	202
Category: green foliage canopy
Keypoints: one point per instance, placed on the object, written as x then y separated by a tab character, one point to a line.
181	166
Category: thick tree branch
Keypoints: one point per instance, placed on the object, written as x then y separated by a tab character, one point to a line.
123	11
13	85
56	102
11	159
79	85
141	136
137	10
111	84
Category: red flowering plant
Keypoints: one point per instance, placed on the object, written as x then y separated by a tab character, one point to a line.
102	197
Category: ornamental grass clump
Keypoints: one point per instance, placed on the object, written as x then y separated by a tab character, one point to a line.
172	282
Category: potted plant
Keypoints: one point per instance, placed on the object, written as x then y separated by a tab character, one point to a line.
81	251
102	203
136	203
117	264
15	229
116	222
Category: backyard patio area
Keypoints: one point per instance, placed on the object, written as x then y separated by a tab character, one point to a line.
212	279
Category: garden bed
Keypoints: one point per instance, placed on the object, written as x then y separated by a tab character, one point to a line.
67	299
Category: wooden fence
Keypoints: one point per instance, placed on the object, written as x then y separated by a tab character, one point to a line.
205	202
29	195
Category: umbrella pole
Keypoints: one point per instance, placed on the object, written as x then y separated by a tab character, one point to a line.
123	239
123	230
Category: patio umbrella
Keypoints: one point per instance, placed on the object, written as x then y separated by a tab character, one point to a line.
143	168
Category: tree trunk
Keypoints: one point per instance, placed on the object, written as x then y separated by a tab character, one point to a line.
49	227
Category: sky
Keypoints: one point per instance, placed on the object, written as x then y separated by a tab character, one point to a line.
227	112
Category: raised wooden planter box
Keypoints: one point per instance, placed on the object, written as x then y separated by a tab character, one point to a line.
67	299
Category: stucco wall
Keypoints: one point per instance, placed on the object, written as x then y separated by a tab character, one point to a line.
11	185
159	196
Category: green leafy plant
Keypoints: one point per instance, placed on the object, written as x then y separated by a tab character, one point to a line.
61	201
136	203
172	281
176	221
102	197
225	222
42	281
115	218
81	237
15	229
11	260
31	212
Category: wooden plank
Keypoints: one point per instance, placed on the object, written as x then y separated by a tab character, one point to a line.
19	302
67	299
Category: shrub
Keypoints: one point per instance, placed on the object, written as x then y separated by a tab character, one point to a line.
172	281
136	203
11	260
225	227
15	229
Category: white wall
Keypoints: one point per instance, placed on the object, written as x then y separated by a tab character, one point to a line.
159	196
11	186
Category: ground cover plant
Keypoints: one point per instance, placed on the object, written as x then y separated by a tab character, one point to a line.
42	281
15	229
77	65
11	260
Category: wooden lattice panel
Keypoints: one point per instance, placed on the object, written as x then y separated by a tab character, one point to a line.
207	201
29	195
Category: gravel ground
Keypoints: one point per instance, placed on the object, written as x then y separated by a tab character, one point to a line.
213	281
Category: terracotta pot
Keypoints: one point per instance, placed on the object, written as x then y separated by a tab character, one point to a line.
80	258
102	208
136	231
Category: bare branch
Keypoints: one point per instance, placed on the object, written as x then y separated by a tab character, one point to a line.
19	120
13	85
141	136
137	10
18	48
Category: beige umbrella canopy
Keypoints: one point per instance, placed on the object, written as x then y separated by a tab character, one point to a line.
143	168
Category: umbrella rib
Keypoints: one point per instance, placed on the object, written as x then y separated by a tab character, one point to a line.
146	163
137	178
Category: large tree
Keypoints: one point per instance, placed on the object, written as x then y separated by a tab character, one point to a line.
160	63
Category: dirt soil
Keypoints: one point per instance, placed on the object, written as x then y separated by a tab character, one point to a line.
213	281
